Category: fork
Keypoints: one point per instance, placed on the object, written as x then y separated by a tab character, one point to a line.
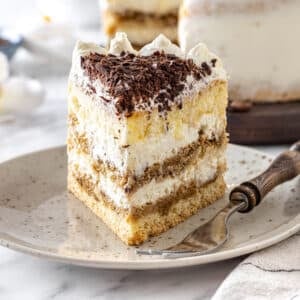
212	235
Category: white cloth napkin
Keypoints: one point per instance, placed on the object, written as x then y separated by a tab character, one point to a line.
273	273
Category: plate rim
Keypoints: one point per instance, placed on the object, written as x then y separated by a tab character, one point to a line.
153	263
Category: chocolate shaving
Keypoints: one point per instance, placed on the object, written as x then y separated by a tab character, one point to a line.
134	81
213	62
206	68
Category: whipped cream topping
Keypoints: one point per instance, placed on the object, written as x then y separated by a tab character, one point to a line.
203	68
145	6
120	43
161	43
203	171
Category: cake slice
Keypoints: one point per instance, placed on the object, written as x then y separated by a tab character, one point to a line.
142	20
147	134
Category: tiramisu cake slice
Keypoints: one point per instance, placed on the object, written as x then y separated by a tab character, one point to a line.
142	20
146	138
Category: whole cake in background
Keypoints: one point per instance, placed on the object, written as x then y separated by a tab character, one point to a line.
147	133
257	40
141	20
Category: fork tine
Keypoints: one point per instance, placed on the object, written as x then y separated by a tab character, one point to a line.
205	239
169	253
162	252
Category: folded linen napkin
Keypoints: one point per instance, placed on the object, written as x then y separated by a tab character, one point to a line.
273	273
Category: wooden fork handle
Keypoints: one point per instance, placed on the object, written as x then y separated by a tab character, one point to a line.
284	168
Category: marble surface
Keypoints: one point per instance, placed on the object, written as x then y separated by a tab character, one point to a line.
25	277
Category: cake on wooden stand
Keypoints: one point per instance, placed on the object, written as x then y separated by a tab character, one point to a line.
256	40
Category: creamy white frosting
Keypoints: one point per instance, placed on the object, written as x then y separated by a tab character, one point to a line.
144	6
199	54
203	171
161	43
83	49
120	43
260	51
155	149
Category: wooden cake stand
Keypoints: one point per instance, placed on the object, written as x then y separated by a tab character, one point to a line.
265	124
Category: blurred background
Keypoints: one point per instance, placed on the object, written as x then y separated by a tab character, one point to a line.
37	37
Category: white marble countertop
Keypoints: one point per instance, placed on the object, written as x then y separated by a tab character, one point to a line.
25	277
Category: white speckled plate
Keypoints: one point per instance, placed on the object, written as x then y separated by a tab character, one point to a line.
39	217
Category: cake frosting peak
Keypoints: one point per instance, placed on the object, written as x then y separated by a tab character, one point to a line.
120	43
158	76
161	43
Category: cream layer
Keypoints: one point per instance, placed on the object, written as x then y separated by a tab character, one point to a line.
259	50
108	136
159	7
204	170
